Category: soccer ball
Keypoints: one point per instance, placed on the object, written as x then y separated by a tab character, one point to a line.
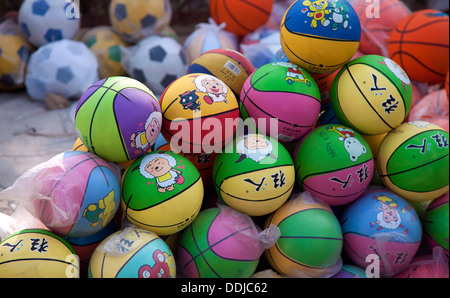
14	54
137	19
105	44
156	61
44	21
64	67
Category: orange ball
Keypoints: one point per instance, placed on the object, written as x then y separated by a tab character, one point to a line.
241	17
377	23
420	45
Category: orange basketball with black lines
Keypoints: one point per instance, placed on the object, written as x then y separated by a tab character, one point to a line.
241	16
420	45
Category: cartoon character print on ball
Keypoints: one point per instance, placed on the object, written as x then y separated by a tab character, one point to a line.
384	225
323	26
162	191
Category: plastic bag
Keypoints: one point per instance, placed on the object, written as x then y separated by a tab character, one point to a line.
19	220
434	265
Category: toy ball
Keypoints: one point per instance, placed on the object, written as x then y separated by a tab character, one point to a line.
328	116
134	20
254	175
241	17
334	163
378	20
371	94
199	113
413	161
118	118
206	37
219	243
382	227
14	54
45	21
374	144
350	271
434	104
105	44
37	253
283	91
76	193
64	67
204	163
427	266
435	223
310	243
320	36
162	191
420	45
156	61
132	253
230	66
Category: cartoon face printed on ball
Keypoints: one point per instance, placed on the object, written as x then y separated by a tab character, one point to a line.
217	90
255	147
161	167
143	140
352	145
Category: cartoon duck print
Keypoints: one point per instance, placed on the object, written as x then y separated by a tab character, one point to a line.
318	11
189	100
101	212
161	166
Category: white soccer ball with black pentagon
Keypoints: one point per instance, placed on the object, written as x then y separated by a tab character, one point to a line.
64	67
156	61
44	21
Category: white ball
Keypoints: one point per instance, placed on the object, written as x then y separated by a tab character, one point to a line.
155	61
64	67
44	21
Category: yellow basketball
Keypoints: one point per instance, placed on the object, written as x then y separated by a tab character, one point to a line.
37	253
105	44
136	19
413	161
320	36
132	253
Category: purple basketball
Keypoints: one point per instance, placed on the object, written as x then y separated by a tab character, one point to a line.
118	118
285	92
219	243
76	193
382	230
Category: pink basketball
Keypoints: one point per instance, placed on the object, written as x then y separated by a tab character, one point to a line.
219	243
283	92
427	266
76	194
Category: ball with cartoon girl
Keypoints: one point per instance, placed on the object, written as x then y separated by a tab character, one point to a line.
382	227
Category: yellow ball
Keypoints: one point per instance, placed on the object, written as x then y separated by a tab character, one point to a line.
413	161
136	19
37	253
14	53
105	44
132	253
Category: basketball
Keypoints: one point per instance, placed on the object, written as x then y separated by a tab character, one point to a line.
285	92
37	253
241	17
199	113
132	253
320	36
118	119
310	243
371	94
161	191
350	271
419	44
435	224
231	67
254	175
75	194
413	161
426	266
220	243
334	163
374	144
377	23
381	224
204	163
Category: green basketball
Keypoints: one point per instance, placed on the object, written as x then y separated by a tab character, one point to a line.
118	119
161	191
254	175
435	223
221	242
311	239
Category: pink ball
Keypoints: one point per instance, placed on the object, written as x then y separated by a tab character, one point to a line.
76	194
427	266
